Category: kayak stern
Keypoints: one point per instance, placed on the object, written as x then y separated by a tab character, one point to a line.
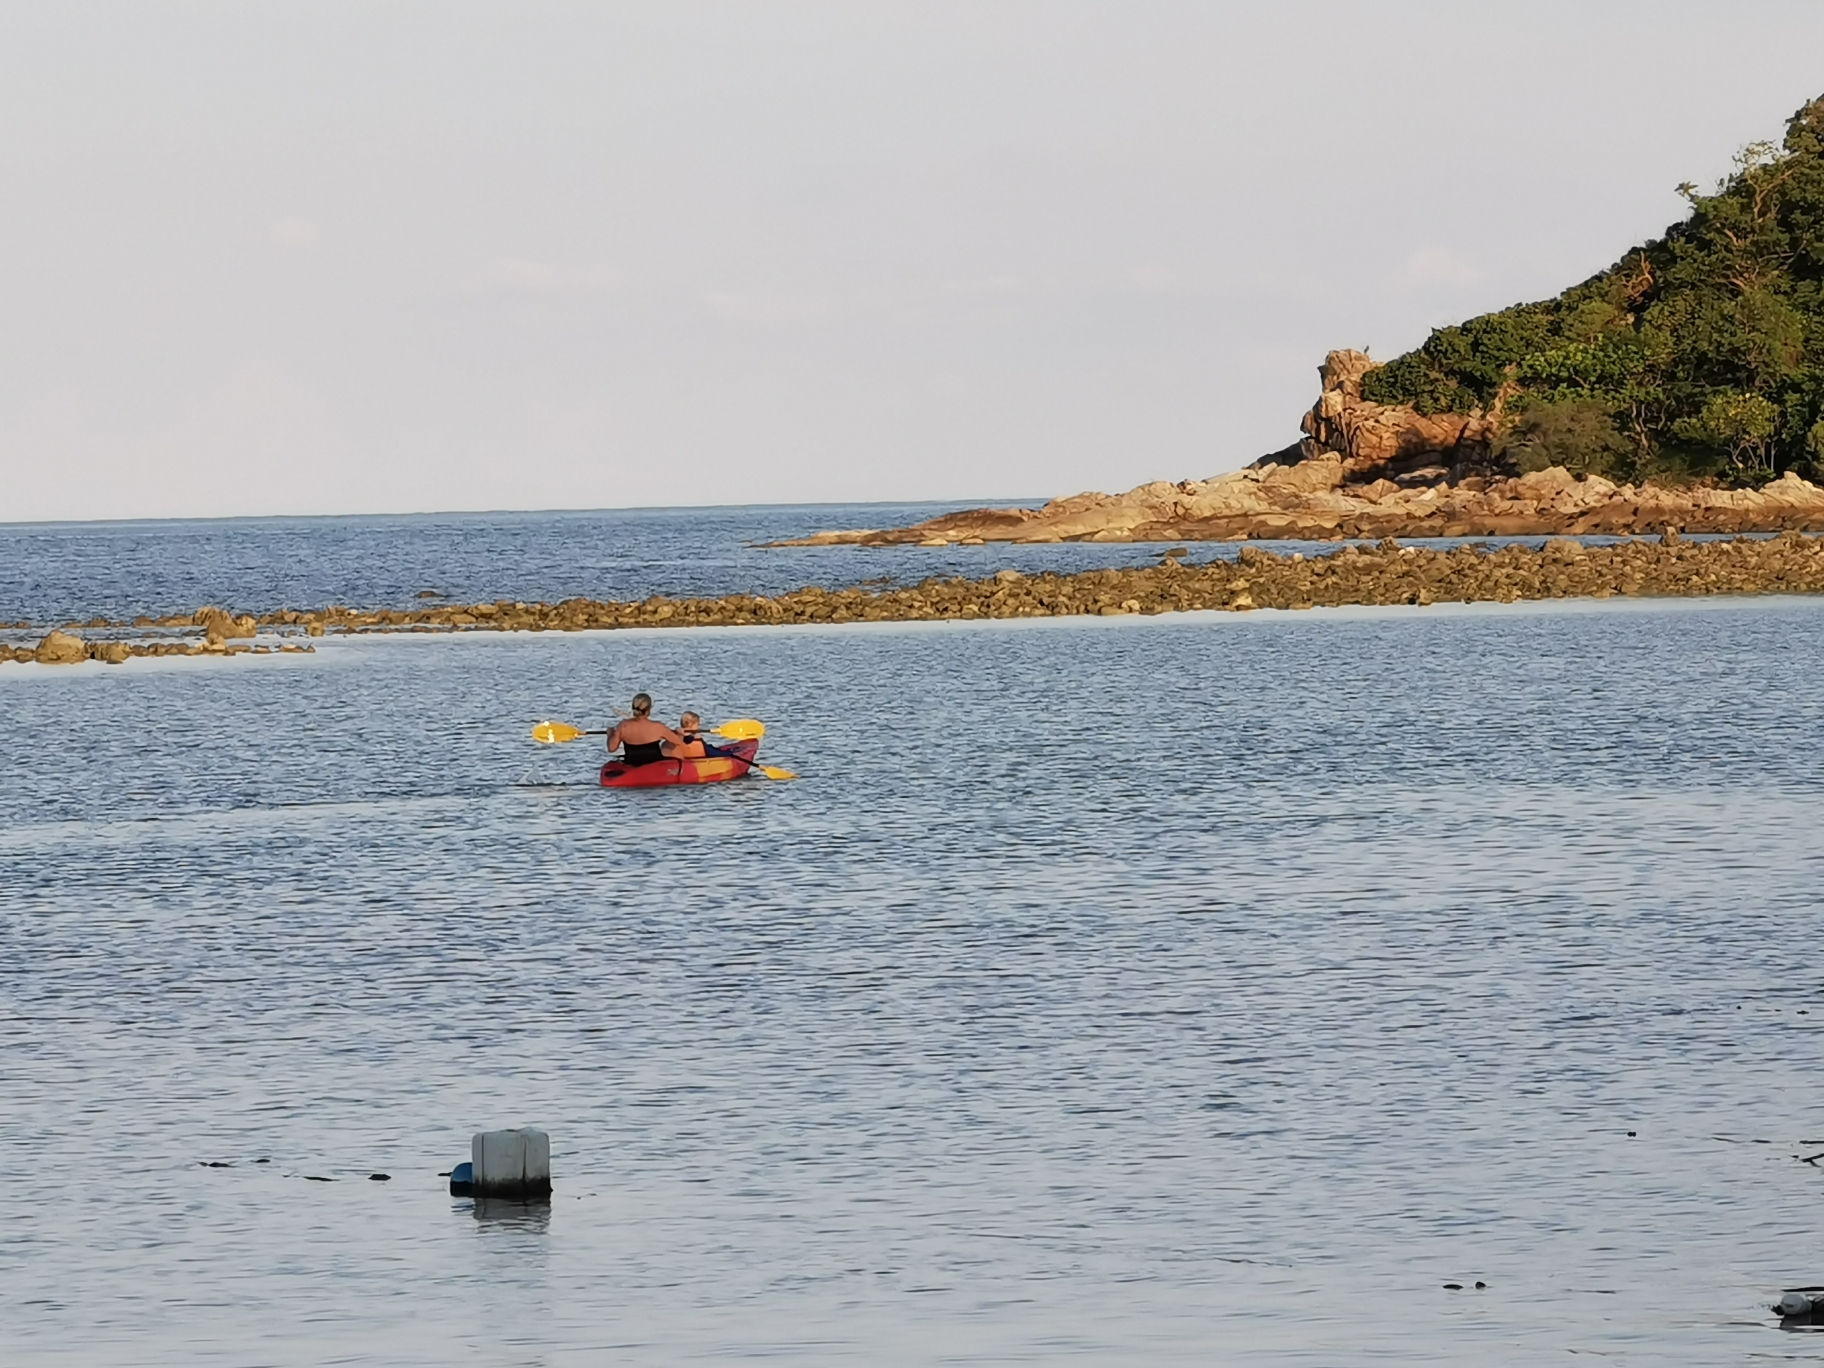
730	762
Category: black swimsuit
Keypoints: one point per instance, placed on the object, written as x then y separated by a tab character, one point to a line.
636	753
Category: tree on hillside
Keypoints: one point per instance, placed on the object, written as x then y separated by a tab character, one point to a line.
1704	349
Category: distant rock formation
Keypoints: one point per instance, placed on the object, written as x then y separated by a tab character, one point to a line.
1389	441
1370	470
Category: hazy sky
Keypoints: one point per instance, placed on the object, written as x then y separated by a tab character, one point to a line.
321	257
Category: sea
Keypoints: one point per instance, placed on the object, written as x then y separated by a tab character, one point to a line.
1357	986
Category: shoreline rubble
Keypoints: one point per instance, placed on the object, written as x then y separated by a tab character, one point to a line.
1387	573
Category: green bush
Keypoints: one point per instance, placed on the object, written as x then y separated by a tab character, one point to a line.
1578	434
1701	351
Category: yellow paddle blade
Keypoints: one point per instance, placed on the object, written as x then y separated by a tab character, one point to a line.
554	733
742	729
774	772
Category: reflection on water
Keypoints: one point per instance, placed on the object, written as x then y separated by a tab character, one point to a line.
534	1218
1170	991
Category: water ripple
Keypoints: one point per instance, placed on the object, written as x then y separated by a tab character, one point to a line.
1134	992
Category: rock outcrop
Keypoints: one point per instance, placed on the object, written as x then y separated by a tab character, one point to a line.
1387	573
1368	470
1311	502
219	625
61	648
1387	441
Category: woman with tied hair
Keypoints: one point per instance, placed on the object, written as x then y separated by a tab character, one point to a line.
640	740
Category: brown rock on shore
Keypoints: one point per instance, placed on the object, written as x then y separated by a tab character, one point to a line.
1309	502
219	625
1387	441
61	648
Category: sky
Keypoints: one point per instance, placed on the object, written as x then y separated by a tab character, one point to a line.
389	257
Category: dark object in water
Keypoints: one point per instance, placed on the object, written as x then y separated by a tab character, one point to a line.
1801	1306
462	1180
379	1177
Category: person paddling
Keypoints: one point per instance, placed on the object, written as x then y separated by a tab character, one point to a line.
640	740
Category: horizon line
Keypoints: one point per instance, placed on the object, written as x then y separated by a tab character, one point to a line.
521	512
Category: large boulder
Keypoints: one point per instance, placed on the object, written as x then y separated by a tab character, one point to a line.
61	648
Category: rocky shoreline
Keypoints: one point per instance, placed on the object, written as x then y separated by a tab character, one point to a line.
1387	573
1371	470
1307	502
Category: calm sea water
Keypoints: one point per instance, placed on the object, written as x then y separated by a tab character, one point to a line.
53	572
1167	991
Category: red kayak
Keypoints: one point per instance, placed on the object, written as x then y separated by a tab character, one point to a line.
732	761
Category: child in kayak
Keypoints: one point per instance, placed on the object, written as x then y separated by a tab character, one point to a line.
640	740
691	747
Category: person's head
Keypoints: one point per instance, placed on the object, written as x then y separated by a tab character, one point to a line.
642	705
690	722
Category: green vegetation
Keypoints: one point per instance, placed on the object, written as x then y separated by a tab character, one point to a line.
1699	354
1577	434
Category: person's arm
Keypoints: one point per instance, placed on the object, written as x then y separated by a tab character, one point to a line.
614	738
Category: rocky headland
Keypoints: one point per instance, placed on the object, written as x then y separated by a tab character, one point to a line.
1372	470
1385	573
1683	387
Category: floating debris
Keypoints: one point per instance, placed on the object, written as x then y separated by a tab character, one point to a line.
506	1165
